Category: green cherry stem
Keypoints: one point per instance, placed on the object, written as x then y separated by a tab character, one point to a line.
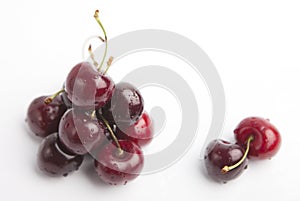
112	134
96	16
50	98
226	168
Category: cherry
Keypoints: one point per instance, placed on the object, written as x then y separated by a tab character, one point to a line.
266	138
88	88
125	106
141	132
118	161
81	132
43	117
118	165
54	160
225	161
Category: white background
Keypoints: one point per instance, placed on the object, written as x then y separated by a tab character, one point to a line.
255	46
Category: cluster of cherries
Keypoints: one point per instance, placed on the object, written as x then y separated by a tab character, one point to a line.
256	138
92	115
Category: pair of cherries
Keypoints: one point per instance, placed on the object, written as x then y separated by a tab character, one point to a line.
256	138
92	115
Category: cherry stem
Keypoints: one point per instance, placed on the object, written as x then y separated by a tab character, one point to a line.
96	16
92	56
50	98
112	134
226	168
90	50
93	115
108	64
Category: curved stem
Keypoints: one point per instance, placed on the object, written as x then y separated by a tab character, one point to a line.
50	98
226	168
112	134
96	16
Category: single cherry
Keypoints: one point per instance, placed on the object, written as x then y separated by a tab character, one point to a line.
225	161
266	138
141	132
118	165
54	160
81	132
88	88
119	161
125	106
44	113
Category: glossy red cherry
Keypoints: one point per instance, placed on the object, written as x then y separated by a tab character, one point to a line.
141	132
117	167
125	106
54	160
224	161
80	132
266	138
42	118
88	88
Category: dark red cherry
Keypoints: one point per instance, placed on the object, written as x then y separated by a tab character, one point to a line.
42	118
54	160
266	138
141	132
117	168
125	106
80	132
224	161
87	88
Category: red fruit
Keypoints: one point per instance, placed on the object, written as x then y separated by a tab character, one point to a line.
43	119
88	88
54	160
117	167
80	133
220	156
125	107
141	132
266	138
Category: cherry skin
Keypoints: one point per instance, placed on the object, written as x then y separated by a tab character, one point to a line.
87	88
141	132
66	100
54	160
80	132
118	168
266	138
220	154
125	106
43	119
